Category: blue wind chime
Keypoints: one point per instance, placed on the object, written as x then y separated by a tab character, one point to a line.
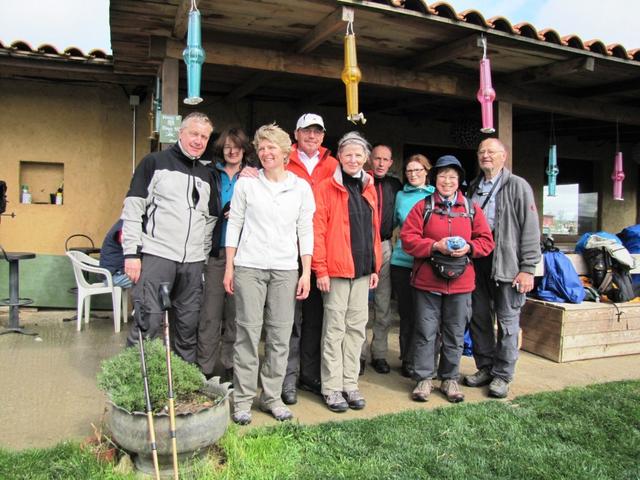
552	167
194	56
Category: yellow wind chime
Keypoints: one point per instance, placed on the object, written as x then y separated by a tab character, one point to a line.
351	75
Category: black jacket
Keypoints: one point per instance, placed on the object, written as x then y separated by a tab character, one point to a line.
386	187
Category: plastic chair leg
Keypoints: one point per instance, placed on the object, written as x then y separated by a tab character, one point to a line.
79	310
116	298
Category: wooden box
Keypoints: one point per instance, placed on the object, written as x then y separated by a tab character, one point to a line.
564	332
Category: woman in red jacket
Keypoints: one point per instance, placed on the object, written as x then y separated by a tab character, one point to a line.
346	260
456	229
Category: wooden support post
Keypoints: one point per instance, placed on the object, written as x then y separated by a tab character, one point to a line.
505	130
170	86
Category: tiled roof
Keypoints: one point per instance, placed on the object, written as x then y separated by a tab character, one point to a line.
524	29
22	48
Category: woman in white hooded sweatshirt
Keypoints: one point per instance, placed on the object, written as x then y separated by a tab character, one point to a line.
270	225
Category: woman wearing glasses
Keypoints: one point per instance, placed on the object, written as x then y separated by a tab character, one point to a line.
217	326
415	189
441	233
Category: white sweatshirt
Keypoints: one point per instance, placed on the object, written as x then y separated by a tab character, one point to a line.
269	220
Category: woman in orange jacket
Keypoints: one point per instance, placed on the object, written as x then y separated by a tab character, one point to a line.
346	260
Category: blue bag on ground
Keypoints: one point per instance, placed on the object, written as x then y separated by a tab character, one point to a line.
582	241
630	237
560	282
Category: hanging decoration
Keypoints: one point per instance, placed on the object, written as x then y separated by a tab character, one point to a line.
351	74
486	94
156	111
194	56
552	167
618	173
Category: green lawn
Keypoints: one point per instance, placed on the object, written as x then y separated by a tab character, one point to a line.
579	433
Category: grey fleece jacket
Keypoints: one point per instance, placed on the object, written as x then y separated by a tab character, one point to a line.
517	228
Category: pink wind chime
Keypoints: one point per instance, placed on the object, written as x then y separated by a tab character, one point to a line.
486	94
618	173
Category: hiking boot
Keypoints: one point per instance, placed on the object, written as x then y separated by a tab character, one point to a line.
478	379
313	386
289	394
281	413
422	391
451	389
380	365
498	388
355	399
241	417
336	402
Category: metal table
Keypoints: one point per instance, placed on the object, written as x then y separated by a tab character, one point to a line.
14	301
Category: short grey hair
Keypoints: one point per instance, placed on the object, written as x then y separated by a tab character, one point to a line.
196	117
354	138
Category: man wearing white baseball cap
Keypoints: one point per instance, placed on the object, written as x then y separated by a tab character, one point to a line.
313	162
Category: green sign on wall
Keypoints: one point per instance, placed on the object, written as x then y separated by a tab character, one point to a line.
169	126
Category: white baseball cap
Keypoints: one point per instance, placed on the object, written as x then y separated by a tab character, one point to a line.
309	119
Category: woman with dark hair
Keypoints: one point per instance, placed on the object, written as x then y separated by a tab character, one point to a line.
217	326
415	189
441	233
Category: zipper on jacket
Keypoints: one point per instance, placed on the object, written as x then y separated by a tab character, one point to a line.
186	239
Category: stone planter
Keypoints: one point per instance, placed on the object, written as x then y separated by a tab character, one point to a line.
193	431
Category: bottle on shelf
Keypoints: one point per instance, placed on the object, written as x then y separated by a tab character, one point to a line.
25	196
59	196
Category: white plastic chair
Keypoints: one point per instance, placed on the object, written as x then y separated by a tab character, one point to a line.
84	263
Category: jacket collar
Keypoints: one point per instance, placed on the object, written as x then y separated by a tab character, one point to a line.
337	177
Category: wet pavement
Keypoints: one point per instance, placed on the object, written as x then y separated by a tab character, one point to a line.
48	389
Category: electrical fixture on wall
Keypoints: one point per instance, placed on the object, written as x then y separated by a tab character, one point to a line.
618	173
486	94
552	167
351	74
194	56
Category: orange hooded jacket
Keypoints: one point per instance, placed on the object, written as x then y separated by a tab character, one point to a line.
325	168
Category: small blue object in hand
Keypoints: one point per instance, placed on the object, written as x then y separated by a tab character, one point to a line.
456	243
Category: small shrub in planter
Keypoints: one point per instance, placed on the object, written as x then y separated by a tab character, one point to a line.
121	378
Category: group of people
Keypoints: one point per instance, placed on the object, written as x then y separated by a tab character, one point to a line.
290	248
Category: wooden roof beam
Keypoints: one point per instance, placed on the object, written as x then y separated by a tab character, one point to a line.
553	70
324	30
443	54
608	88
403	79
181	22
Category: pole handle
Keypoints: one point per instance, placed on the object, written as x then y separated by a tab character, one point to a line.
165	300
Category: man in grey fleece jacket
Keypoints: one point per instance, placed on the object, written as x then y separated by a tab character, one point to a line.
505	277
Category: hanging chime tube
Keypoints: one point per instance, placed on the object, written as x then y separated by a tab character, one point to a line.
194	57
552	170
351	75
617	176
486	96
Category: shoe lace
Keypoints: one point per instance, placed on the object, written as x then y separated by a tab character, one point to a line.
335	397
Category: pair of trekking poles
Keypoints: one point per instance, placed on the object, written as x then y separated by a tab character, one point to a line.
165	303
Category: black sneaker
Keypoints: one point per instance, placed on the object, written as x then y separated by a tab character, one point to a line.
314	386
380	365
289	394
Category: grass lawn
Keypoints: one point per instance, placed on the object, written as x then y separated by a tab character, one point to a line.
579	433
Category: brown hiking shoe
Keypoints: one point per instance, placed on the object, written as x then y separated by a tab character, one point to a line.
452	391
422	391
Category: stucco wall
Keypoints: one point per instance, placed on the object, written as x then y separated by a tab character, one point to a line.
88	129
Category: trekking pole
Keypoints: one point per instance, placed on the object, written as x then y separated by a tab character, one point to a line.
165	303
147	396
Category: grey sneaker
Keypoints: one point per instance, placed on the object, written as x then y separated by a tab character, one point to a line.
336	402
281	413
422	391
451	389
355	399
498	388
478	379
241	417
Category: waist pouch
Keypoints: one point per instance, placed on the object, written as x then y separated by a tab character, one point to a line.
449	267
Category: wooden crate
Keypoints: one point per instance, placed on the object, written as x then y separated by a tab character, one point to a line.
564	332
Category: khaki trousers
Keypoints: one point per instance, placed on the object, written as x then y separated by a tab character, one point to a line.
343	333
258	292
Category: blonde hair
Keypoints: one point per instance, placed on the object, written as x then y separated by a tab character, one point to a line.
274	134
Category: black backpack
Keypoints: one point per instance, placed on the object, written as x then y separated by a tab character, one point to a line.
609	277
430	207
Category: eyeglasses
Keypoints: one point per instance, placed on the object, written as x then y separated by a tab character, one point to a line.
415	171
229	148
491	153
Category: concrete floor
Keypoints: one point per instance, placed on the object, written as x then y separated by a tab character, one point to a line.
48	387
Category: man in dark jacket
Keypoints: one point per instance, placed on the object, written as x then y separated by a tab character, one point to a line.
168	219
112	256
386	187
506	276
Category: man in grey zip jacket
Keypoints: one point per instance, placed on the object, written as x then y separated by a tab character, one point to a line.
168	218
505	277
